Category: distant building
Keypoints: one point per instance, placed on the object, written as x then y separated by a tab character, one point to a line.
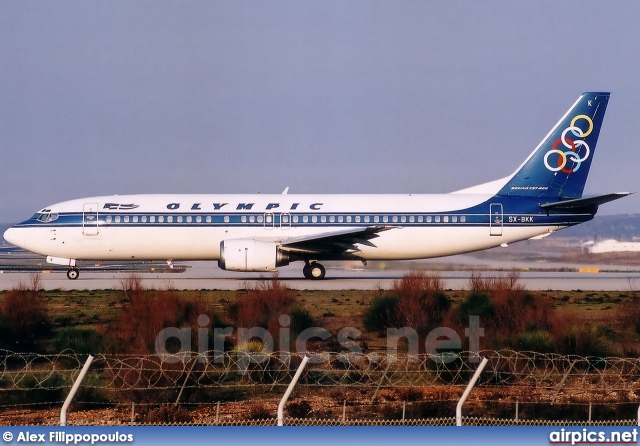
611	246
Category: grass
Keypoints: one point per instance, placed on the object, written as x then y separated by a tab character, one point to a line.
333	309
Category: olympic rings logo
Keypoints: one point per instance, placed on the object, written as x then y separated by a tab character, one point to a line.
564	156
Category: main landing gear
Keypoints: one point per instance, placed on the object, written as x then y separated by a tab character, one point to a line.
313	270
73	273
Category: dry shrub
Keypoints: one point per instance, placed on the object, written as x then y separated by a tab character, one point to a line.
165	414
577	337
299	409
628	315
259	412
24	317
422	304
514	310
144	313
267	300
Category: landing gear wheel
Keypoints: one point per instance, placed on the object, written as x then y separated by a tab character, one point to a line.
73	273
305	271
316	271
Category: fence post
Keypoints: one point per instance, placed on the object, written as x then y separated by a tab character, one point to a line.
195	359
468	391
344	411
564	378
292	384
72	392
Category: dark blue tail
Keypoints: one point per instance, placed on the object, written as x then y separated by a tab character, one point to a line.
558	167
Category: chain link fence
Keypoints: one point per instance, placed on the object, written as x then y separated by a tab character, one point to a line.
243	388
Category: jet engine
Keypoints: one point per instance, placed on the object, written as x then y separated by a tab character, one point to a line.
251	255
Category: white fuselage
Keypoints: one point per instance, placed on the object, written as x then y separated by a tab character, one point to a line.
191	227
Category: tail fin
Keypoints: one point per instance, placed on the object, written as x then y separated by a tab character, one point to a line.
558	167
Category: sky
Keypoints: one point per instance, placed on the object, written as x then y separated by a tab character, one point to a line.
332	96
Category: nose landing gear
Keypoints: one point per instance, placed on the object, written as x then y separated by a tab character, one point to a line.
73	273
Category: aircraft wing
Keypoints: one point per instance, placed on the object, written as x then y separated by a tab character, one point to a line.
585	201
334	241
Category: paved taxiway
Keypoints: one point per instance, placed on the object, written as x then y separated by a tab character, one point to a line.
206	275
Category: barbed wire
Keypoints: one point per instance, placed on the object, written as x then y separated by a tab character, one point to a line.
29	371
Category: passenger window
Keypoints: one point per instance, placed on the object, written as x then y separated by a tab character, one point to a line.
199	219
429	218
126	218
208	219
170	219
323	219
117	219
160	218
340	218
454	219
226	219
109	219
412	219
376	219
243	219
189	218
394	219
314	219
463	218
252	219
134	219
152	219
295	219
437	219
260	218
143	219
332	219
445	219
349	218
179	219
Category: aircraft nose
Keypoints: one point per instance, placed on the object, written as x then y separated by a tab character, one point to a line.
14	237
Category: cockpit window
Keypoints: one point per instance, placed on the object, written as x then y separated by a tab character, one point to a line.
45	217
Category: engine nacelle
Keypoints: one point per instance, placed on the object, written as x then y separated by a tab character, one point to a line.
251	255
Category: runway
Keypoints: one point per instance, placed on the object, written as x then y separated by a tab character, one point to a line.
206	275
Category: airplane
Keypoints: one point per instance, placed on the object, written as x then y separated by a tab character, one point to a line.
262	232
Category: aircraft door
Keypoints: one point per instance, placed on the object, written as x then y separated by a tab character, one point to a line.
285	220
90	219
496	218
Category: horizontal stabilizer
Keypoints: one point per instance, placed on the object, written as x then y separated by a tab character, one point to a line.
585	201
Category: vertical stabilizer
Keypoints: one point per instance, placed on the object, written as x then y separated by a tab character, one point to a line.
559	166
